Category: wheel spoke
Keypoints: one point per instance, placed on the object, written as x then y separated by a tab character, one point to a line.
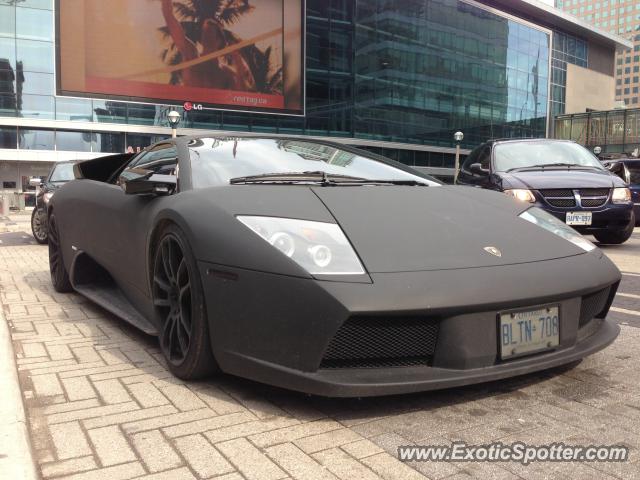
163	285
186	290
167	253
168	333
162	302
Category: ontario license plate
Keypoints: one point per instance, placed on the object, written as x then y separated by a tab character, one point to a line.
529	331
579	218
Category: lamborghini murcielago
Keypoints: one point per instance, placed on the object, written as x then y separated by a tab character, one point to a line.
326	269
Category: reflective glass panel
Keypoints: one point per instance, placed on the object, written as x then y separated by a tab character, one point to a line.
36	139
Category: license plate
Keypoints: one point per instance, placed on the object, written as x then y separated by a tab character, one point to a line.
529	331
579	218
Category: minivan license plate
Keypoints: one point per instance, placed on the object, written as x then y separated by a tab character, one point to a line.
528	331
579	218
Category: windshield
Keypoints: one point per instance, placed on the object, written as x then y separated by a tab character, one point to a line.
215	161
62	172
533	154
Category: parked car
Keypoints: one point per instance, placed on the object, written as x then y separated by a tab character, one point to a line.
559	176
60	173
322	268
628	169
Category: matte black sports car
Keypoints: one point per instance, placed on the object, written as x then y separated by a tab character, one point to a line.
321	268
61	173
561	177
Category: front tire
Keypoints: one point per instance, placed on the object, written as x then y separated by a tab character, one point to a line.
178	300
39	225
619	236
59	275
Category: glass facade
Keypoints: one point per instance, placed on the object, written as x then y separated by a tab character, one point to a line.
566	49
615	131
406	71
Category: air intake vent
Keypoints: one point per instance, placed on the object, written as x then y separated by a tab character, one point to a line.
593	305
374	342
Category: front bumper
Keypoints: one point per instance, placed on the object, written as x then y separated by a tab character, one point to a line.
610	217
277	329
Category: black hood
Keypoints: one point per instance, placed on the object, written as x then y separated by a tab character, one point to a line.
561	178
397	229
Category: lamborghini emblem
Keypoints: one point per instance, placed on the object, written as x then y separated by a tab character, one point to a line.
493	251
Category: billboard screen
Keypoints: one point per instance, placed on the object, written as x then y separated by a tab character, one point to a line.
231	54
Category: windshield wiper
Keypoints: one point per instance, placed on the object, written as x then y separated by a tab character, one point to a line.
317	178
544	166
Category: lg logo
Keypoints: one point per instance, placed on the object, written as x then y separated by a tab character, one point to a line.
188	106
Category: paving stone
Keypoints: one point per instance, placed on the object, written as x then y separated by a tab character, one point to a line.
155	451
91	412
69	440
323	441
248	428
361	448
111	445
390	468
183	398
203	458
147	395
112	391
295	432
177	474
167	420
250	461
67	467
78	388
117	472
129	417
298	464
46	385
343	466
212	423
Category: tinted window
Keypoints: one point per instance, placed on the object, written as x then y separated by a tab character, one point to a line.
531	154
634	174
161	159
214	161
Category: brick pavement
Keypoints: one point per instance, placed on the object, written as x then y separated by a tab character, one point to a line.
102	405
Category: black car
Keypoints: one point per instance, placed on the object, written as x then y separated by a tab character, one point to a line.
559	176
629	170
326	269
60	173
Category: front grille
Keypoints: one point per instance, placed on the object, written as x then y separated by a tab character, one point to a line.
562	198
557	193
374	342
594	192
561	202
593	202
593	305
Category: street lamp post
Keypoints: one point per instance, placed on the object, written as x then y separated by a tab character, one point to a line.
174	120
458	137
597	151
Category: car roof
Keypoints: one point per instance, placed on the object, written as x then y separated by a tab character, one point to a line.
622	160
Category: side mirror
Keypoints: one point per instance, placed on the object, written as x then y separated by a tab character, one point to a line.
35	182
138	181
477	169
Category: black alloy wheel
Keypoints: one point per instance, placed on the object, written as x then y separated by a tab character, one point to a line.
178	302
39	225
59	275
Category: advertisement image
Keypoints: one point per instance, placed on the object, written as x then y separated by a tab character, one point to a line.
231	54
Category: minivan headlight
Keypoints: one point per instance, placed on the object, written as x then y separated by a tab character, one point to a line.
549	222
318	247
522	194
621	195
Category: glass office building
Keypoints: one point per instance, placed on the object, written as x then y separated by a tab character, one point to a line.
397	77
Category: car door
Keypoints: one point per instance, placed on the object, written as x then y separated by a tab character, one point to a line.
122	231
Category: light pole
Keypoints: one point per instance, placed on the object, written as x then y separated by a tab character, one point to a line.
458	137
597	151
174	120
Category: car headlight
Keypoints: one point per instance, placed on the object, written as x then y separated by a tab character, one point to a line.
521	194
318	247
549	222
621	195
47	196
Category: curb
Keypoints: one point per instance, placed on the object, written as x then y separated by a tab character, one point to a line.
16	458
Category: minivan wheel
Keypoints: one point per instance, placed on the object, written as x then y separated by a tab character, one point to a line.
39	225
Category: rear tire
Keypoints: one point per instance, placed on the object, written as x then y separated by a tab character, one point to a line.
619	236
59	275
178	300
39	225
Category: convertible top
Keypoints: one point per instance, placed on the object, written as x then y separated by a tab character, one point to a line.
103	168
